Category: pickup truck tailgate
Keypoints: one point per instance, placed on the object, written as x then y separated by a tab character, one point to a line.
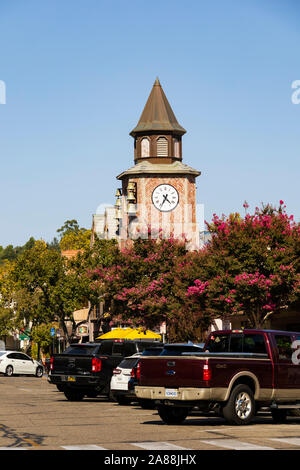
172	371
81	365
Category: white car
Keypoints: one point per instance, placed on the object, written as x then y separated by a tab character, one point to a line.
16	362
119	384
123	380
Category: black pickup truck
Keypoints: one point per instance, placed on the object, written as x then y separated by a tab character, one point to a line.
86	369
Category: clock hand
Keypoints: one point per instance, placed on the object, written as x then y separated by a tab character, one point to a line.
165	198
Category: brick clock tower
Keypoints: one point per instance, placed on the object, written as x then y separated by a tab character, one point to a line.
158	194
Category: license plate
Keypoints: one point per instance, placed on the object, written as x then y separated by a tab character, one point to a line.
71	379
171	393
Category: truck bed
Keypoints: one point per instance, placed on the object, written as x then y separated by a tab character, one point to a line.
188	370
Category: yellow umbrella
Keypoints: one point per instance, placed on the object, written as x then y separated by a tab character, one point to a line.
116	333
139	333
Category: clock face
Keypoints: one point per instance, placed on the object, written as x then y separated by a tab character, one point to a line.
165	197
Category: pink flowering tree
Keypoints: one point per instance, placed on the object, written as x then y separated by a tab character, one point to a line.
148	287
251	266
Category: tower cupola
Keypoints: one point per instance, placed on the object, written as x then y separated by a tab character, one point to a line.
157	136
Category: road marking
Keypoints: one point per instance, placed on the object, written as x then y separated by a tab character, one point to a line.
235	444
84	447
157	446
294	441
13	448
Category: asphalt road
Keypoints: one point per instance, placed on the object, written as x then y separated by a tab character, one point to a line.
34	415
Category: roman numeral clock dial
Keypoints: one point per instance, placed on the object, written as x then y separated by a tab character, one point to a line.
165	197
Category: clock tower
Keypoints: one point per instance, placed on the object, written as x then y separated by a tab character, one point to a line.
158	193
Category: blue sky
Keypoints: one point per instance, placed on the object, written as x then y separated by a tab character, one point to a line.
78	73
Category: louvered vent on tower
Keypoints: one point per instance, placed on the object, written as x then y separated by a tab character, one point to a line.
162	147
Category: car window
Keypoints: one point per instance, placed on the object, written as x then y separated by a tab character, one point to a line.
236	343
23	357
254	344
152	352
128	363
106	347
218	343
178	350
141	346
118	349
284	346
12	356
81	350
129	349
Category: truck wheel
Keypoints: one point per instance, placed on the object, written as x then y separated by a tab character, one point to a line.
279	416
240	408
172	415
73	395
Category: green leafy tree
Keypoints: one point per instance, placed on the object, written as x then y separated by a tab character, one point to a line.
46	290
72	237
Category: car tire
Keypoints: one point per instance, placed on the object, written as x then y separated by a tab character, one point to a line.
240	408
172	415
9	371
73	395
279	416
39	372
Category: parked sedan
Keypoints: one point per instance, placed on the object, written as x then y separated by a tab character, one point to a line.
18	363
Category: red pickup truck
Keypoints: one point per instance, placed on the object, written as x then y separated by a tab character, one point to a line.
237	373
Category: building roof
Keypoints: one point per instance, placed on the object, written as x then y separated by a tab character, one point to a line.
145	167
158	114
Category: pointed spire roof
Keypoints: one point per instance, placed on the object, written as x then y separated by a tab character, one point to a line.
158	114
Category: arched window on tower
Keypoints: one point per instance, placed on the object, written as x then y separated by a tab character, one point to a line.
162	147
145	147
176	148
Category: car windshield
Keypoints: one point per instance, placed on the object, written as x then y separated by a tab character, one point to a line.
2	353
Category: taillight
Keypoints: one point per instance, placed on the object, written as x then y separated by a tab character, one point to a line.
138	371
51	363
96	364
206	372
117	371
133	373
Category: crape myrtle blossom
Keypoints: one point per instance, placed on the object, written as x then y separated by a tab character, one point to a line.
252	265
249	267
